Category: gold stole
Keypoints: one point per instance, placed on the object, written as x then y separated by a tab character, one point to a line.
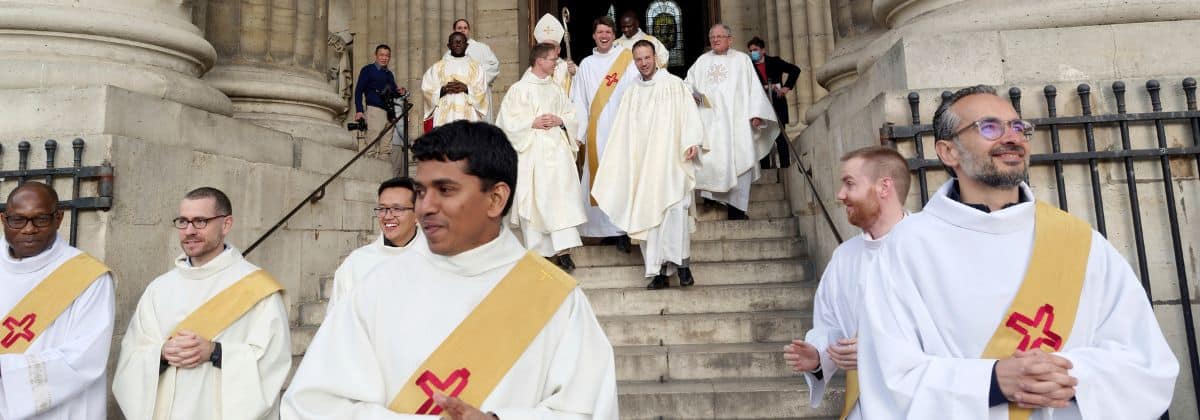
222	310
38	309
603	94
503	325
1043	312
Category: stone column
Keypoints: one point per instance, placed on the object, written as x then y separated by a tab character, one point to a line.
854	29
272	65
145	46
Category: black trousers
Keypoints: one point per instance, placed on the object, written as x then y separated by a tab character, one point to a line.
781	148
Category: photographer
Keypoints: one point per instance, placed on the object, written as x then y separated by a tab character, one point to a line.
374	79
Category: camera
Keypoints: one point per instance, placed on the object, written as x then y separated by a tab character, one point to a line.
359	124
393	99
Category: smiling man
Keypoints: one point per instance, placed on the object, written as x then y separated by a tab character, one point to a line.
209	339
476	328
455	88
398	233
55	338
990	304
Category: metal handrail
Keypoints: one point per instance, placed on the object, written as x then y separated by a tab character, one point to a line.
319	192
816	196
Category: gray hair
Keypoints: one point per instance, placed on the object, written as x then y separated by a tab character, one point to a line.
945	120
727	29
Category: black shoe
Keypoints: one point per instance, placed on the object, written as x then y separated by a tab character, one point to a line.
685	277
660	282
733	213
623	244
564	262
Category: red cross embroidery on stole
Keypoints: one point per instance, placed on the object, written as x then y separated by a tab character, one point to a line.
1039	334
452	386
18	330
611	78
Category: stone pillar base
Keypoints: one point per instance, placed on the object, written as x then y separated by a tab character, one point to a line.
297	104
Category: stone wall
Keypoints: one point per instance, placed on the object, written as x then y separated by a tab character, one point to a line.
873	70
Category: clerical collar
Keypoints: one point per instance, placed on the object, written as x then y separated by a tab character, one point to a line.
501	251
956	195
32	264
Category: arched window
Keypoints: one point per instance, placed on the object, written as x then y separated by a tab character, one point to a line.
664	21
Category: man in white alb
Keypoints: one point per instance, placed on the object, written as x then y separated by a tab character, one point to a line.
645	180
58	301
874	183
209	339
455	88
539	121
398	234
631	32
738	119
990	304
483	55
596	91
477	328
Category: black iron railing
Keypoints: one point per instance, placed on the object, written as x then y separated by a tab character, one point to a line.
318	193
77	172
1126	156
816	196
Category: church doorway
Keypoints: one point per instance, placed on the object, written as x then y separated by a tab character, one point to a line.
681	25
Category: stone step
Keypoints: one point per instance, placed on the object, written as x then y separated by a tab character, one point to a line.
312	313
758	210
702	251
767	192
706	274
702	299
785	227
775	398
327	285
715	328
769	176
301	337
701	361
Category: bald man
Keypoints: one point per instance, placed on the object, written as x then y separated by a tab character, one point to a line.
58	304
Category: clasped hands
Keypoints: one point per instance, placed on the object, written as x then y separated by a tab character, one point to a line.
546	121
454	87
1036	379
187	350
456	409
804	357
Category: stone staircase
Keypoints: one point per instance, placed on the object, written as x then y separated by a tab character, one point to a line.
711	351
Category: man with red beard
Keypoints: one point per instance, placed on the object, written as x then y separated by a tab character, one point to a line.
875	181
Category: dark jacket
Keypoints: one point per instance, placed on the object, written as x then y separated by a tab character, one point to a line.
372	79
776	69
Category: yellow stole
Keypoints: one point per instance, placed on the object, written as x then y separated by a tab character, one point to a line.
222	310
1043	312
38	309
603	94
504	324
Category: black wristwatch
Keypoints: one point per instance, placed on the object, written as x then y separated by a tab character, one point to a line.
215	358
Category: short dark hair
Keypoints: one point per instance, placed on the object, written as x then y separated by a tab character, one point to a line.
454	34
603	20
399	182
539	51
757	41
489	154
643	43
945	120
34	185
223	205
383	47
452	25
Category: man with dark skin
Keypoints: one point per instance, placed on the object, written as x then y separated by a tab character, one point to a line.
74	351
455	87
458	48
632	31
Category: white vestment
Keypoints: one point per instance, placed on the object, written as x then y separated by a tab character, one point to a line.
487	62
547	195
588	79
643	172
362	260
662	55
944	280
472	105
61	375
366	352
256	352
730	83
836	308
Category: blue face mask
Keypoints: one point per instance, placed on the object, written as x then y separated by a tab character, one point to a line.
755	55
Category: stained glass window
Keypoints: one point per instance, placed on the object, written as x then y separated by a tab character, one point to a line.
663	19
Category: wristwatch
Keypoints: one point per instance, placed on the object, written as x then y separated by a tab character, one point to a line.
215	358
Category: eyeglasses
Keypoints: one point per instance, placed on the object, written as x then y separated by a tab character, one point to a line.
384	211
199	223
19	222
993	129
718	37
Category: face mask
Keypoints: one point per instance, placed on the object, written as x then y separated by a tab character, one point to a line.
755	55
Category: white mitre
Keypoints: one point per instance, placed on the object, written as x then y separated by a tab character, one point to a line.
548	30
